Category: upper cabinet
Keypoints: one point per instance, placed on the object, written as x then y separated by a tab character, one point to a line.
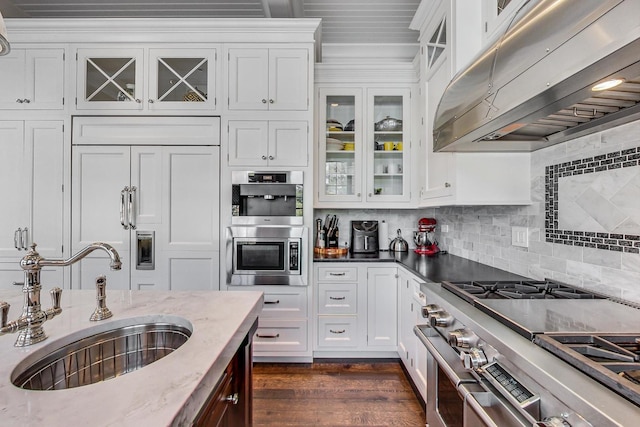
177	79
268	79
32	79
363	146
451	33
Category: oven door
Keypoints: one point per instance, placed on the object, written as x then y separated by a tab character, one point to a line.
266	256
484	408
445	372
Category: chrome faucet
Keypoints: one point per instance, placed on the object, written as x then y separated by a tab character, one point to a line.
29	324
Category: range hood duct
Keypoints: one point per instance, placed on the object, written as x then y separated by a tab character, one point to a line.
532	88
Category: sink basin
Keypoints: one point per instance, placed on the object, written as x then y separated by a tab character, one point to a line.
99	355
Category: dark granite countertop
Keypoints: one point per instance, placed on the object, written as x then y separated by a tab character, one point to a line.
436	268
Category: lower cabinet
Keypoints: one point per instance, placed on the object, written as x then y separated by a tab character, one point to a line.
411	351
356	309
283	328
230	402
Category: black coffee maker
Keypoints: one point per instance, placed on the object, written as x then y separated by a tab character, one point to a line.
364	237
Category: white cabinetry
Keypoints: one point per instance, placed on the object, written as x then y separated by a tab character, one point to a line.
274	79
32	79
31	172
32	176
268	143
411	351
460	178
363	147
357	309
115	78
283	325
157	205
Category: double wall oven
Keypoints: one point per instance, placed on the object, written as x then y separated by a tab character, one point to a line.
267	242
497	354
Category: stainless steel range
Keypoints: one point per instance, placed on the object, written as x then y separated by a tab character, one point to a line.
498	353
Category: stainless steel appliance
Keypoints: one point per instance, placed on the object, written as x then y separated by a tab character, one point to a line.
266	255
267	198
480	351
364	237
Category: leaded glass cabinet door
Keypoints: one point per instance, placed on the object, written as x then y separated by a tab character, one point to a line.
340	145
110	79
182	78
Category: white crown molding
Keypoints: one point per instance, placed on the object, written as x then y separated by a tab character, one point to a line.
149	30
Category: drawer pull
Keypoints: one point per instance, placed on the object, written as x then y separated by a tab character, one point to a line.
337	274
232	398
337	332
268	336
338	298
273	302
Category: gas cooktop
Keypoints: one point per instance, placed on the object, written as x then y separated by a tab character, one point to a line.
517	290
612	359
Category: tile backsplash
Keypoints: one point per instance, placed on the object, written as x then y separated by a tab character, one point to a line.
483	233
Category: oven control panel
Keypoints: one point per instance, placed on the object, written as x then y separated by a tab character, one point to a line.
512	389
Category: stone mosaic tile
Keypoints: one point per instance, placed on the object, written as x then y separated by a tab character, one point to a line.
592	202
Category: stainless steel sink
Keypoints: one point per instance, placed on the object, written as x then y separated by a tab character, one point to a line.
100	356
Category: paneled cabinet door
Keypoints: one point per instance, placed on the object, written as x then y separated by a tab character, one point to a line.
382	313
268	79
31	170
406	341
268	143
182	79
32	79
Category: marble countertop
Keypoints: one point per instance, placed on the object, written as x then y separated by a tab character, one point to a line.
438	268
170	391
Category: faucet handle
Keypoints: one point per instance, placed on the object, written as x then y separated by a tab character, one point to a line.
102	311
56	295
4	309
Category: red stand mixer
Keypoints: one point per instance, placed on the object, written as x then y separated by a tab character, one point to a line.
424	238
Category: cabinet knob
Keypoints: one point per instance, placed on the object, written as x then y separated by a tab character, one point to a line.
264	101
447	185
271	157
151	101
19	101
138	101
271	101
370	195
26	101
264	157
358	194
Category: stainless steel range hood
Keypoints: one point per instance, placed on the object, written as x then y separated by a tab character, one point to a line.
532	87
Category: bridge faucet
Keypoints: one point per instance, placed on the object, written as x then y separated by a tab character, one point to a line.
29	324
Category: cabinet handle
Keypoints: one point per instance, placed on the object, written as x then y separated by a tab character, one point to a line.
19	101
18	283
123	193
138	101
337	298
264	157
24	238
151	101
27	101
271	157
337	274
337	332
447	185
273	302
232	398
271	101
16	236
132	211
268	336
264	101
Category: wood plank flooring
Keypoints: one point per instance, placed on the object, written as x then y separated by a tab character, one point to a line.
334	394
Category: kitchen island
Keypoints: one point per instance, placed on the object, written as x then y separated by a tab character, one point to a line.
171	391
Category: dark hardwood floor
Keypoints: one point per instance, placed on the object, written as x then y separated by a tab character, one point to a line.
334	394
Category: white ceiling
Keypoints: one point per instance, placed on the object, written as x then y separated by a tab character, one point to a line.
343	21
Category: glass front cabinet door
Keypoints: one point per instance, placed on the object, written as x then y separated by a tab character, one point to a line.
176	79
363	146
340	145
388	144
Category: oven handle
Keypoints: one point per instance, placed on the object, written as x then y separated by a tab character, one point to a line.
471	401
